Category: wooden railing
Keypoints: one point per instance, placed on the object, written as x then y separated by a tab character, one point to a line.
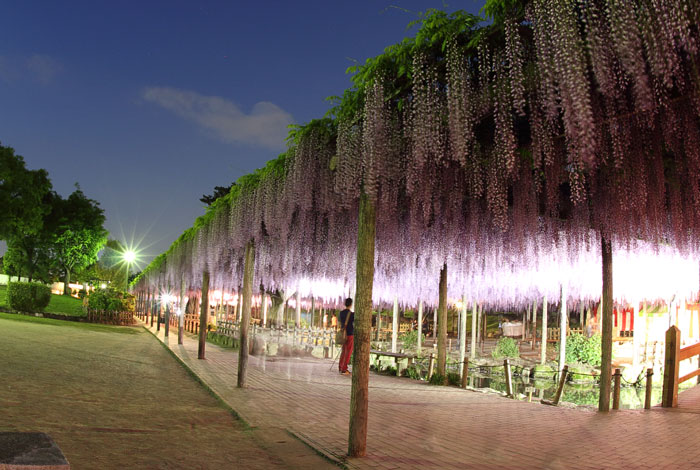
110	318
674	355
311	336
553	334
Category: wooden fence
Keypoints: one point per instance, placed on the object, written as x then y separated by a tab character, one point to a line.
310	336
110	318
674	355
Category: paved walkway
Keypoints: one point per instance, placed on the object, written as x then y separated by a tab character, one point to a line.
417	426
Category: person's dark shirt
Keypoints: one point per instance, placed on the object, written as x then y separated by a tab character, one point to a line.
350	329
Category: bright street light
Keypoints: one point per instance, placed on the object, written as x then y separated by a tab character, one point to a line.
129	256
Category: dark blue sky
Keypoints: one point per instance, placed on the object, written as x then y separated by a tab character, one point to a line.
149	105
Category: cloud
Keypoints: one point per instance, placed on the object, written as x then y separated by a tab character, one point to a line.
43	68
265	126
39	68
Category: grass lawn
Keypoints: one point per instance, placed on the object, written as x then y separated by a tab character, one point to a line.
59	304
114	401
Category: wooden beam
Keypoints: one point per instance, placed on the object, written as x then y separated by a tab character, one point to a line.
689	351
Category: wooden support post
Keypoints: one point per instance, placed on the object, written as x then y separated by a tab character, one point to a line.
479	328
154	303
635	336
534	323
420	327
239	305
563	314
364	282
562	380
431	366
543	336
435	323
297	310
484	326
248	268
263	299
647	395
442	322
203	316
526	315
509	379
181	316
465	372
159	306
669	397
313	311
581	316
395	324
606	323
472	349
463	330
616	390
167	319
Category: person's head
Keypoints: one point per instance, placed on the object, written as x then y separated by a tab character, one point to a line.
348	302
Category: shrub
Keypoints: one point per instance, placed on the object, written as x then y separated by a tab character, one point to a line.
581	349
28	296
438	379
412	372
410	339
506	347
453	378
111	300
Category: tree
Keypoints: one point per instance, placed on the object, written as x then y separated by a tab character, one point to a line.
219	191
21	196
32	252
80	235
29	256
75	249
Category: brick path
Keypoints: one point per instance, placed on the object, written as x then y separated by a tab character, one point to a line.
417	426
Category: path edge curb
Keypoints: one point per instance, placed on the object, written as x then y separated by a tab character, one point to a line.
326	455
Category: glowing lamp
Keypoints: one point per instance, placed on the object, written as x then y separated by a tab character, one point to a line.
129	256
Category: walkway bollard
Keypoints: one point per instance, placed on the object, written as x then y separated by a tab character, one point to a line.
616	390
465	372
509	379
431	364
647	397
560	388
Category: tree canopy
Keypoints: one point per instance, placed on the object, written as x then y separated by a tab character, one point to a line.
22	192
219	191
505	149
43	231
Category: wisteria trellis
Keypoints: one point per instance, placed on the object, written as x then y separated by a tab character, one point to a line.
504	151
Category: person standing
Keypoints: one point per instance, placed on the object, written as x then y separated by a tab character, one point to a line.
347	319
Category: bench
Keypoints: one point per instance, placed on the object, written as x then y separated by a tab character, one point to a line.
396	358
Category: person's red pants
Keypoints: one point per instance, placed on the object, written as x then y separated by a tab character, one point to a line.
345	355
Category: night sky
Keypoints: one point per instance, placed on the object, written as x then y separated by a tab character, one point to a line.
149	105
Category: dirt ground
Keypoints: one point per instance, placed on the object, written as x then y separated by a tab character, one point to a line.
115	398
